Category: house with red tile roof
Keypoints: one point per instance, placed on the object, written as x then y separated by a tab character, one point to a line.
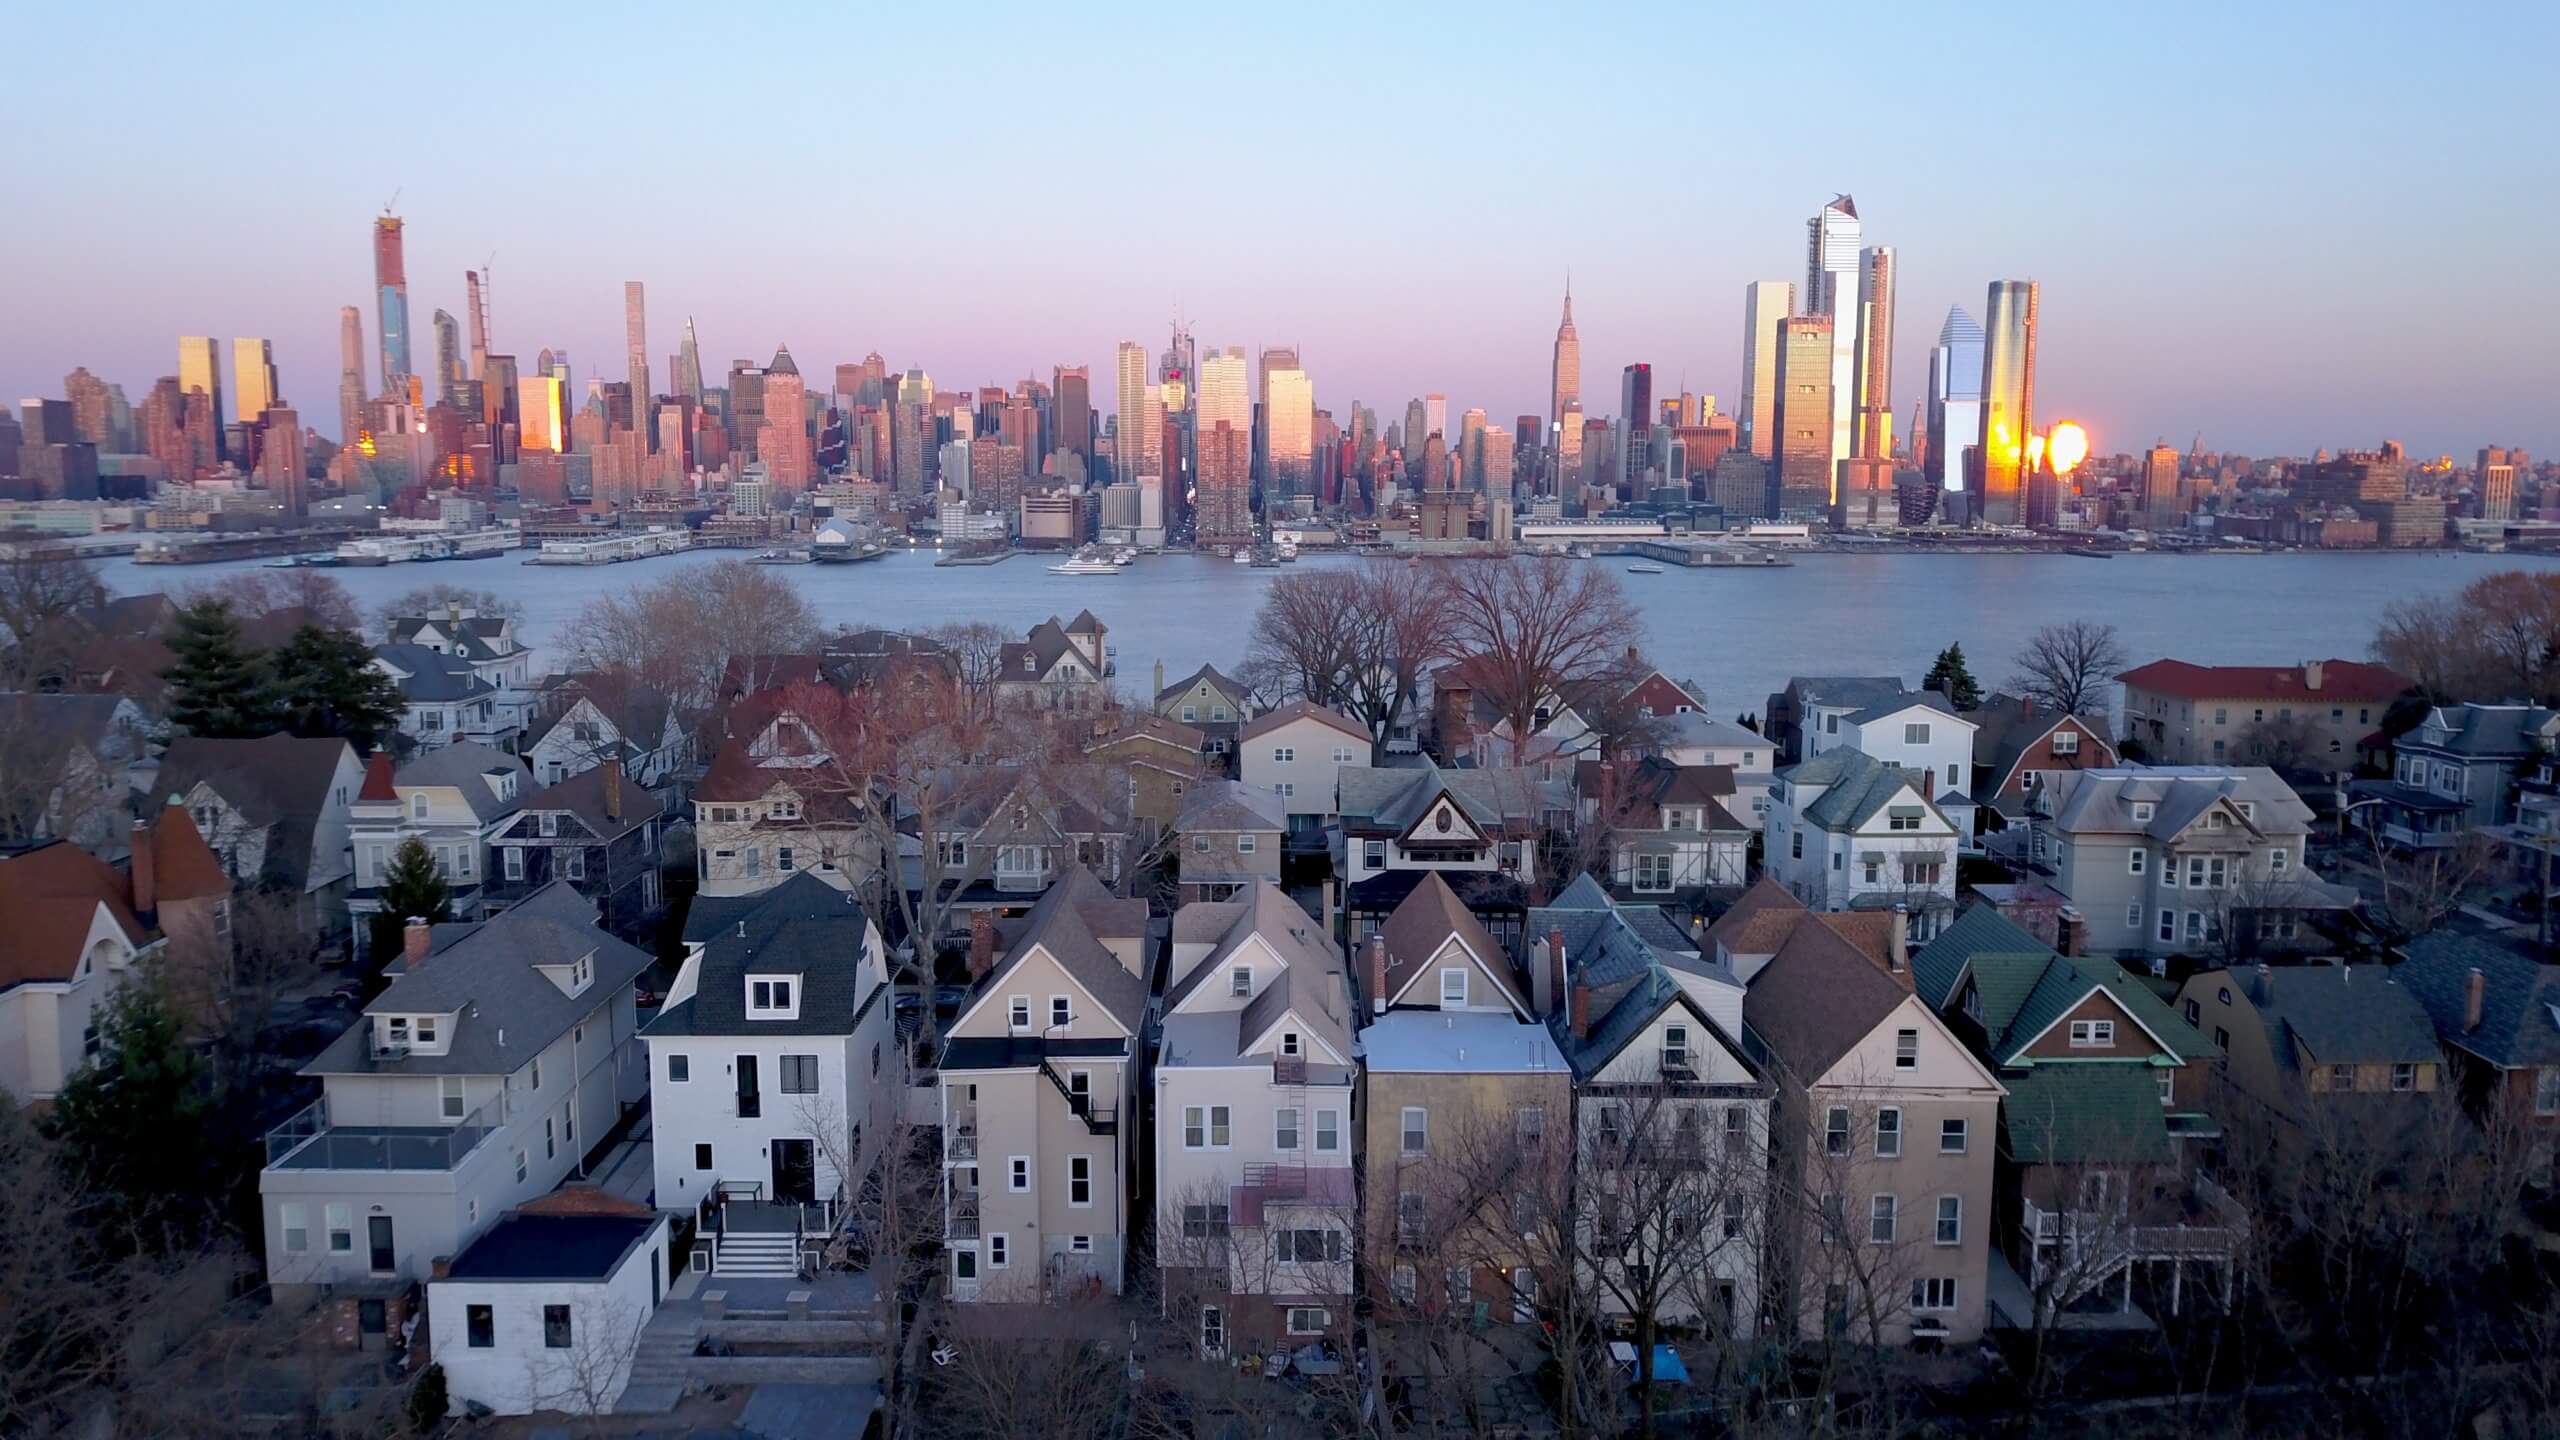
2186	714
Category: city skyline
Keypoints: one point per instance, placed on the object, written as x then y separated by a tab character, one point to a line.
2150	232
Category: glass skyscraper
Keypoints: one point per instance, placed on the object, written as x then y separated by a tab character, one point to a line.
2008	399
1955	398
391	280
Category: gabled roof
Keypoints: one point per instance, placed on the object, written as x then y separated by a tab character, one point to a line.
2007	726
583	795
184	867
1393	799
468	766
278	782
475	637
1890	705
489	976
2103	801
2350	681
431	675
1425	922
1653	783
2025	986
1132	725
2345	1014
1070	922
2519	999
2486	731
1296	710
1856	786
1631	1006
1187	683
1071	799
49	897
1230	805
638	711
1819	1004
1047	644
803	927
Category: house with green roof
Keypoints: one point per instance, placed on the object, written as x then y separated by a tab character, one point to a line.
2099	1194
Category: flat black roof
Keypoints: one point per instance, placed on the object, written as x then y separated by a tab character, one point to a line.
552	1247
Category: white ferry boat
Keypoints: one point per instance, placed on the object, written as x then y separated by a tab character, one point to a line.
1087	564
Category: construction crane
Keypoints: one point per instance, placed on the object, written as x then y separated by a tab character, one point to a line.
394	200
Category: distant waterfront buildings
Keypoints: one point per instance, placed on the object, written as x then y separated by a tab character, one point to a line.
391	286
1635	413
2008	400
1874	431
635	340
1800	478
1831	280
1765	303
1955	398
253	375
1288	420
1564	376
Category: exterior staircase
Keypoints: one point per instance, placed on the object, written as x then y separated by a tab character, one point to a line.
772	1254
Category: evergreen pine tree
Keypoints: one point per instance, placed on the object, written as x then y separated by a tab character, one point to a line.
218	686
1951	678
412	888
139	1121
326	685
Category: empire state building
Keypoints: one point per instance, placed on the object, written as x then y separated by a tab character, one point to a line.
1565	386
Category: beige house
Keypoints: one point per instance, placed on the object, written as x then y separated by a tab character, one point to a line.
1164	759
2185	714
1209	702
1227	840
773	804
1038	1099
2309	1039
1885	1142
1297	753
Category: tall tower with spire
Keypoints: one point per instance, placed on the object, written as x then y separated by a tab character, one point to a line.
1565	379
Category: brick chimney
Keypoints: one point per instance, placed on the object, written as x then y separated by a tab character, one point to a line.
982	943
2475	992
2066	931
2026	707
413	942
1375	972
146	873
1555	966
613	789
1581	1017
2311	674
440	1268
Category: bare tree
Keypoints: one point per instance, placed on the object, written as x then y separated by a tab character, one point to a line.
42	586
681	632
1051	1370
586	1376
2423	885
2285	741
55	784
2071	666
1533	628
893	1214
320	597
977	652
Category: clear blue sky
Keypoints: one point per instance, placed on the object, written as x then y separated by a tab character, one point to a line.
2281	225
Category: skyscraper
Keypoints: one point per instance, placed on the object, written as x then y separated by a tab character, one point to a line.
1289	426
2498	483
351	371
1831	288
476	300
1130	395
2008	399
542	409
200	368
1564	381
253	375
1223	512
450	374
1955	398
2158	507
1765	303
688	376
88	396
1635	416
391	285
1226	391
1874	433
635	343
783	445
1800	480
1071	414
1435	420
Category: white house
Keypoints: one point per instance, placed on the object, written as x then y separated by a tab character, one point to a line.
1849	832
1297	752
446	700
582	720
452	800
1253	1102
73	939
1399	824
1697	738
544	1311
773	1066
1916	730
275	809
500	1054
488	643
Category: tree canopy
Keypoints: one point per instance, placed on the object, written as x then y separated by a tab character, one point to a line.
1951	677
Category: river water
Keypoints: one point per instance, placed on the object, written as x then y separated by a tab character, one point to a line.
1739	632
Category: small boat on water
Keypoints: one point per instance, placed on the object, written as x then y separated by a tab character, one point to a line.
1644	569
1089	563
1289	551
1243	556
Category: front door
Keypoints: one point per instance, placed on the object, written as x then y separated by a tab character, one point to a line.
378	1240
1524	1295
795	1171
964	1274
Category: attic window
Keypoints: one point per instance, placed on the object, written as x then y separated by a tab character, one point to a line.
1453	989
417	807
583	974
2141	811
772	997
550	824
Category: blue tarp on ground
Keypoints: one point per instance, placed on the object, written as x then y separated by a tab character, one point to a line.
1668	1368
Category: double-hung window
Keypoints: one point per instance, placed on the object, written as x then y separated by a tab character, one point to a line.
1284	1128
1950	1220
1835	1131
1888	1132
1882	1212
1417	1130
2092	1034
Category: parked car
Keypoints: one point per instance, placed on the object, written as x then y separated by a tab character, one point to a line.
949	998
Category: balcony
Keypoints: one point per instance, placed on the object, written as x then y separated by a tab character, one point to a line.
960	1138
309	1141
2075	1251
960	1217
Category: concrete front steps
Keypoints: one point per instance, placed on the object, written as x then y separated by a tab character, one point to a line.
746	1254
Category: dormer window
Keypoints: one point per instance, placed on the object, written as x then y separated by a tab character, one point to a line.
395	1031
1289	1043
426	1031
550	825
417	807
1240	981
1453	989
583	974
786	809
772	997
2141	812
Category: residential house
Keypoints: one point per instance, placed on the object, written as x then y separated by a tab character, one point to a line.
595	830
67	764
446	700
488	642
1228	840
1479	828
1003	834
1164	759
1672	1113
773	803
1209	702
1814	705
1662	828
1850	832
544	1310
1039	1090
773	1070
1065	668
1622	707
2342	1045
1914	730
1460	1082
1697	738
872	659
454	800
584	718
500	1054
2497	1014
2456	773
2310	715
1755	928
77	928
1883	1148
1297	752
2019	745
2182	860
119	647
277	810
1253	1066
2101	1194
